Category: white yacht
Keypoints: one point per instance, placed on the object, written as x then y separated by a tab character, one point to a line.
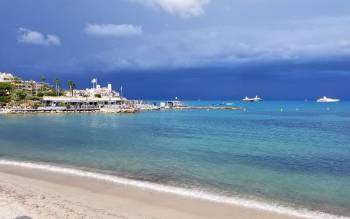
255	99
327	100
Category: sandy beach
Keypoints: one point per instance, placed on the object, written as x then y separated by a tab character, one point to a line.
43	194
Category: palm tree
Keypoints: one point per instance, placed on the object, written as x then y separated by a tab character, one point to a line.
57	86
71	86
34	88
42	79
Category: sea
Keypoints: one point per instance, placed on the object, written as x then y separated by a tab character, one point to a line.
286	156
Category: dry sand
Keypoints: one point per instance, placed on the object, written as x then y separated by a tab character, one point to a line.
42	194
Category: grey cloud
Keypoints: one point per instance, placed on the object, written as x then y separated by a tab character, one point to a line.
28	36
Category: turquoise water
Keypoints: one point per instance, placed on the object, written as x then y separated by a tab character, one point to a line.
294	153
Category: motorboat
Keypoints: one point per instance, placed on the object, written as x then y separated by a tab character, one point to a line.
327	100
255	99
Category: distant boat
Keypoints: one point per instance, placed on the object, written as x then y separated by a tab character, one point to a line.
327	100
255	99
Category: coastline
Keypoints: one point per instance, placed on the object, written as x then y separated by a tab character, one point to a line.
36	190
111	110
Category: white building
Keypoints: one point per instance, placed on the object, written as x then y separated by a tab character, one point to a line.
96	91
83	102
6	77
102	91
95	97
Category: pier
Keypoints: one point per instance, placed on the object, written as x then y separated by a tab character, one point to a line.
204	108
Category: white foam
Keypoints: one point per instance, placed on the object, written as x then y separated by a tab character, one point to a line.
196	194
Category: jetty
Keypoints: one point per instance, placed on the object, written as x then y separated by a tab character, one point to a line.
204	108
179	105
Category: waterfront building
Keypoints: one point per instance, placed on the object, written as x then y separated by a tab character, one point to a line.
31	87
95	97
95	91
80	102
171	104
6	77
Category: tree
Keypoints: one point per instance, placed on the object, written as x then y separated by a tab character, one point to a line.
42	79
50	92
5	93
34	88
57	86
71	86
5	88
20	95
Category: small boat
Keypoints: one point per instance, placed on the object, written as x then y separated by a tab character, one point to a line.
255	99
327	100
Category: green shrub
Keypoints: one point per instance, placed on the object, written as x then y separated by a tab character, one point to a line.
20	95
4	100
5	93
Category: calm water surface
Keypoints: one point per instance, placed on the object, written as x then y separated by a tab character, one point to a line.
296	153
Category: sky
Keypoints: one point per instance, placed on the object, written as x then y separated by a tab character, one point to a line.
192	49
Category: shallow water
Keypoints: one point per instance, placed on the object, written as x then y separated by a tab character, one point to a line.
295	153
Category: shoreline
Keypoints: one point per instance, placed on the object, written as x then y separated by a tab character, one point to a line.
119	189
112	111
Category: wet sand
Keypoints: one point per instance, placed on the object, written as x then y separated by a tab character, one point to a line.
43	194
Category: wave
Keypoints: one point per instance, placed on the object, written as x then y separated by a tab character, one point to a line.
196	194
